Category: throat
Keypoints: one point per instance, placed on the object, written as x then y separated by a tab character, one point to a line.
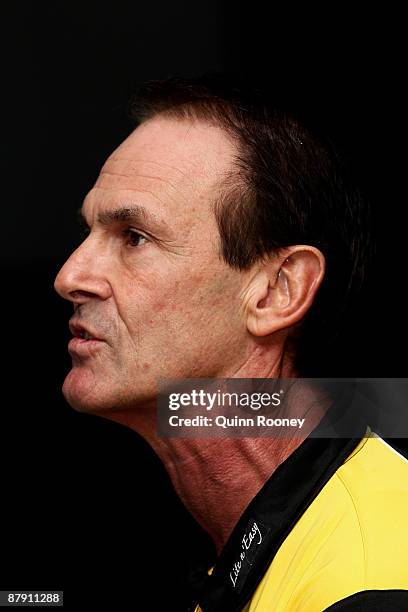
218	478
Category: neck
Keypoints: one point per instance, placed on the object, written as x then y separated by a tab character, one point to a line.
217	478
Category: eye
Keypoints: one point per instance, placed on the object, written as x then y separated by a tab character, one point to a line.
134	238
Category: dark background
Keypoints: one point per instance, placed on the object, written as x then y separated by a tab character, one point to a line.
85	505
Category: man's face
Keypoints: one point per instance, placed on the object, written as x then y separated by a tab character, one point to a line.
148	280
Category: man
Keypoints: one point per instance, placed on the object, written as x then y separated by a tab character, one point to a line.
224	238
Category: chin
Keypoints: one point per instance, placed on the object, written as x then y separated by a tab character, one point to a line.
85	393
82	402
102	394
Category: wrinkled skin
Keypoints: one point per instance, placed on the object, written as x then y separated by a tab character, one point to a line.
166	304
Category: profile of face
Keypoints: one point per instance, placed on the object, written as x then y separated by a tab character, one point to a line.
152	296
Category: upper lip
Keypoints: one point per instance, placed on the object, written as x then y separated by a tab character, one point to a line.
77	329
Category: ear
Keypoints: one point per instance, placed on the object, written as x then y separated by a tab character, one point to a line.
283	290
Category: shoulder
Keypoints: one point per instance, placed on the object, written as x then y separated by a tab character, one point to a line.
375	478
352	539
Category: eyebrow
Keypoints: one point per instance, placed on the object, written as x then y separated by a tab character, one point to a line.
136	214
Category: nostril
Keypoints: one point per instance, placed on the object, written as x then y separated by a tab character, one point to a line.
79	296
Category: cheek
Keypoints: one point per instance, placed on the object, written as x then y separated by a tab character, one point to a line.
155	307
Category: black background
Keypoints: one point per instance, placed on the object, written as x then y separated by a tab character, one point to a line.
86	506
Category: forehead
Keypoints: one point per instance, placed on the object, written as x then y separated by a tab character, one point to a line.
165	163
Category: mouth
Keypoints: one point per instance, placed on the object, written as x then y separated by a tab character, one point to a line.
86	336
78	330
84	341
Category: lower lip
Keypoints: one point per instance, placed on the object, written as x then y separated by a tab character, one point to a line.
82	347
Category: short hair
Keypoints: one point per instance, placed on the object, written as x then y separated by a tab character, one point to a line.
288	186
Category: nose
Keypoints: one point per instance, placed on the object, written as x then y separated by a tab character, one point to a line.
82	277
